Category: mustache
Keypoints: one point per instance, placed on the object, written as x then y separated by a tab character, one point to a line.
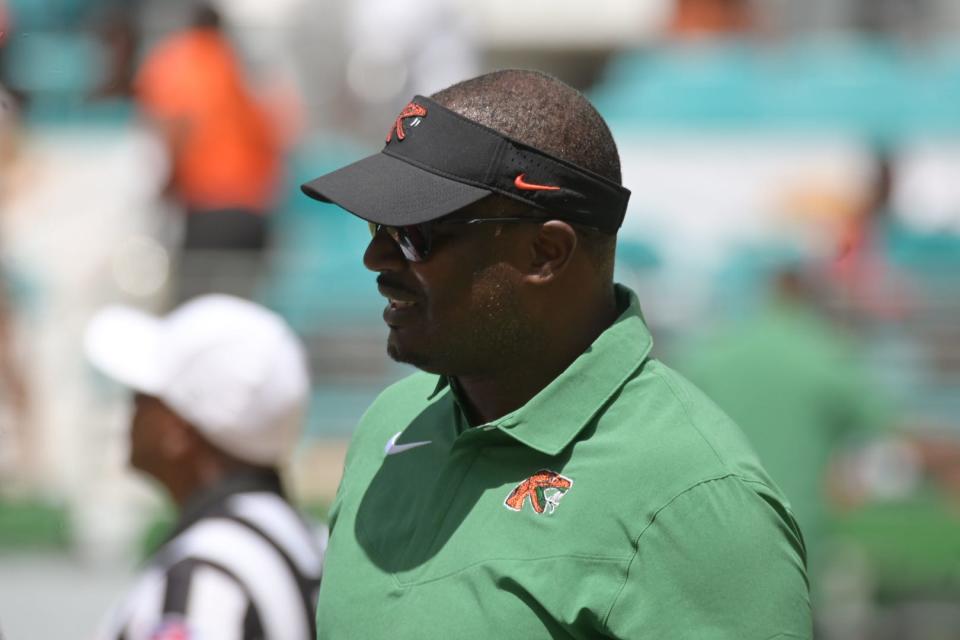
391	284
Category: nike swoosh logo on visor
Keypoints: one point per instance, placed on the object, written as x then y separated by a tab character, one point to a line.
393	448
523	185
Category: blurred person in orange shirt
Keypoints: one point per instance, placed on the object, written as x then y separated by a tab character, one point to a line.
224	150
699	18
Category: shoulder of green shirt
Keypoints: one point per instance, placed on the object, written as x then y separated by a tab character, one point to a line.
719	560
733	452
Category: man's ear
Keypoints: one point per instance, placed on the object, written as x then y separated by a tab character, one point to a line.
551	251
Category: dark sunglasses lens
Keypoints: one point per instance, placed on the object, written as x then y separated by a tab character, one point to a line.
412	240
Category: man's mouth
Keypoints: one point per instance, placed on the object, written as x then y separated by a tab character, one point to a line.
400	304
399	312
399	297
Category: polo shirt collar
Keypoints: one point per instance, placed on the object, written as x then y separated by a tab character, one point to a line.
554	417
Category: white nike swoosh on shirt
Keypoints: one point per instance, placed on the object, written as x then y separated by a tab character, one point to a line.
394	448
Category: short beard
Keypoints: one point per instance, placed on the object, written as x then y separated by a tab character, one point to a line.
499	332
416	360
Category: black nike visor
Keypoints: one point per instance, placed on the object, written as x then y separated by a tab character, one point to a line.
436	162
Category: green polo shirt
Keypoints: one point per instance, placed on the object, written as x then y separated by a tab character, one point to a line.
618	502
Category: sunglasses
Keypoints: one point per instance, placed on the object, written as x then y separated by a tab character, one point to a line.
416	240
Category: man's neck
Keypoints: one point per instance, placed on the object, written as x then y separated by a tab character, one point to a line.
205	470
489	397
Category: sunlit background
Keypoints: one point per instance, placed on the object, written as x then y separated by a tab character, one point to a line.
794	234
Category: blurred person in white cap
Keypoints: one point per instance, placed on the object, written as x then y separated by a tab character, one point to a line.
220	388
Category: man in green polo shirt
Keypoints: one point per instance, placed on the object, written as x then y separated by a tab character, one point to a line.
544	476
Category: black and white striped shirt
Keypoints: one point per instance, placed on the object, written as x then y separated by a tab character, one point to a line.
241	563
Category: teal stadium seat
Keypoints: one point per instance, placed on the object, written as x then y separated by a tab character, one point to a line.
868	87
317	279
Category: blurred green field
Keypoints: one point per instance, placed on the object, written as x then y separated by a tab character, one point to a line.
33	525
912	547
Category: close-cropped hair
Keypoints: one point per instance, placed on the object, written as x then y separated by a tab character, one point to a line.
541	111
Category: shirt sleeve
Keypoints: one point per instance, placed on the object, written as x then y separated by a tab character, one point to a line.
722	561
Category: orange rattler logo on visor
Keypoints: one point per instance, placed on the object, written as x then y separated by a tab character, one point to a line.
412	110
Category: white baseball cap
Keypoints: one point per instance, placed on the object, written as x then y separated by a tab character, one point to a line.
231	368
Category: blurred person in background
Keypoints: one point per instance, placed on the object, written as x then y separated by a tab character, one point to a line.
543	475
4	22
116	26
823	427
17	449
221	388
692	19
6	32
864	274
225	154
792	381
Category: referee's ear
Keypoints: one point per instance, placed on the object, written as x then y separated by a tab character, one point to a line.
551	252
179	439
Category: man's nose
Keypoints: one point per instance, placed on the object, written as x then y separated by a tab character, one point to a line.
383	254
